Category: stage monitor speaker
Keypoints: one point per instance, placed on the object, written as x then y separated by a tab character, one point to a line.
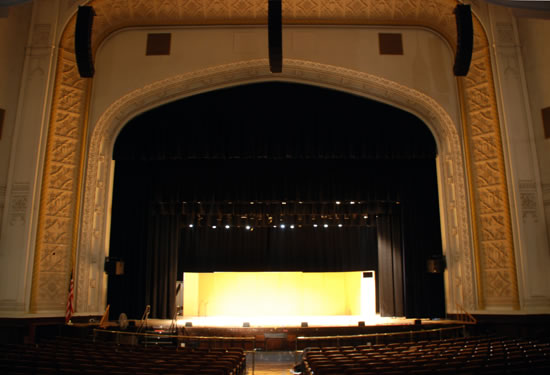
83	41
113	266
464	39
275	35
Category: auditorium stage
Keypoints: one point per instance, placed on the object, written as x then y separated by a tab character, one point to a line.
292	321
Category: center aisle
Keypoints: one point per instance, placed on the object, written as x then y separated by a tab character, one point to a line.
270	363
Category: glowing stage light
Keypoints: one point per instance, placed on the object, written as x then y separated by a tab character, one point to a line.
325	225
283	226
276	298
227	226
247	227
338	202
292	226
315	225
214	227
190	225
340	225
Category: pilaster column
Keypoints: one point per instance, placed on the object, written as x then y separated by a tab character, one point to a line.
525	188
17	240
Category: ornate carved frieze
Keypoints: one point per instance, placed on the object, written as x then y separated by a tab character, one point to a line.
18	204
489	189
58	217
528	199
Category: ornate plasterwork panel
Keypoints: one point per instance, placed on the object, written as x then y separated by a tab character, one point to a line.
59	216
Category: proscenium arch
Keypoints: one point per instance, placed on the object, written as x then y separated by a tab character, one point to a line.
61	218
457	245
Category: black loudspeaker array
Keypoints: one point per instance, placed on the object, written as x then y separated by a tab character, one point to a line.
465	39
275	35
83	41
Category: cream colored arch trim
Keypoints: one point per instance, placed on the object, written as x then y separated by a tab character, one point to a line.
59	222
96	188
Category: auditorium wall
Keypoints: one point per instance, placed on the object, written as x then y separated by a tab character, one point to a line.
12	56
537	72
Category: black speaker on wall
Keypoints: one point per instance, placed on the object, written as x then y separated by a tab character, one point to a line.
275	35
465	39
83	41
113	266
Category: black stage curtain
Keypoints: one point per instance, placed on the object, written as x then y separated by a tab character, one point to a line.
150	229
390	264
162	265
309	249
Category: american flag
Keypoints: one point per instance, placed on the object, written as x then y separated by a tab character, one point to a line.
70	301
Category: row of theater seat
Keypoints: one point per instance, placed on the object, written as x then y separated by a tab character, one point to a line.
70	356
482	355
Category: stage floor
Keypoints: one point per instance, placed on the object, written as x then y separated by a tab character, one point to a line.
292	321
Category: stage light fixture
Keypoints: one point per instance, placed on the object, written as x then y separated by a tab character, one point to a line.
214	227
227	226
315	225
304	325
366	217
338	202
283	226
247	227
352	202
292	226
340	225
325	225
191	225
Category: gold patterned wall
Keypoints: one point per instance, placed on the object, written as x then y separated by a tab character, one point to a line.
62	181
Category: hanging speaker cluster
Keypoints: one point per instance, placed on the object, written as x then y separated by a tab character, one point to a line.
83	41
465	39
275	35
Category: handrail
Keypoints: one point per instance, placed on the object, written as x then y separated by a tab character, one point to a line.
376	335
175	336
365	335
465	316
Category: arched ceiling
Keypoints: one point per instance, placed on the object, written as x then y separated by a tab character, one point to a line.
523	4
